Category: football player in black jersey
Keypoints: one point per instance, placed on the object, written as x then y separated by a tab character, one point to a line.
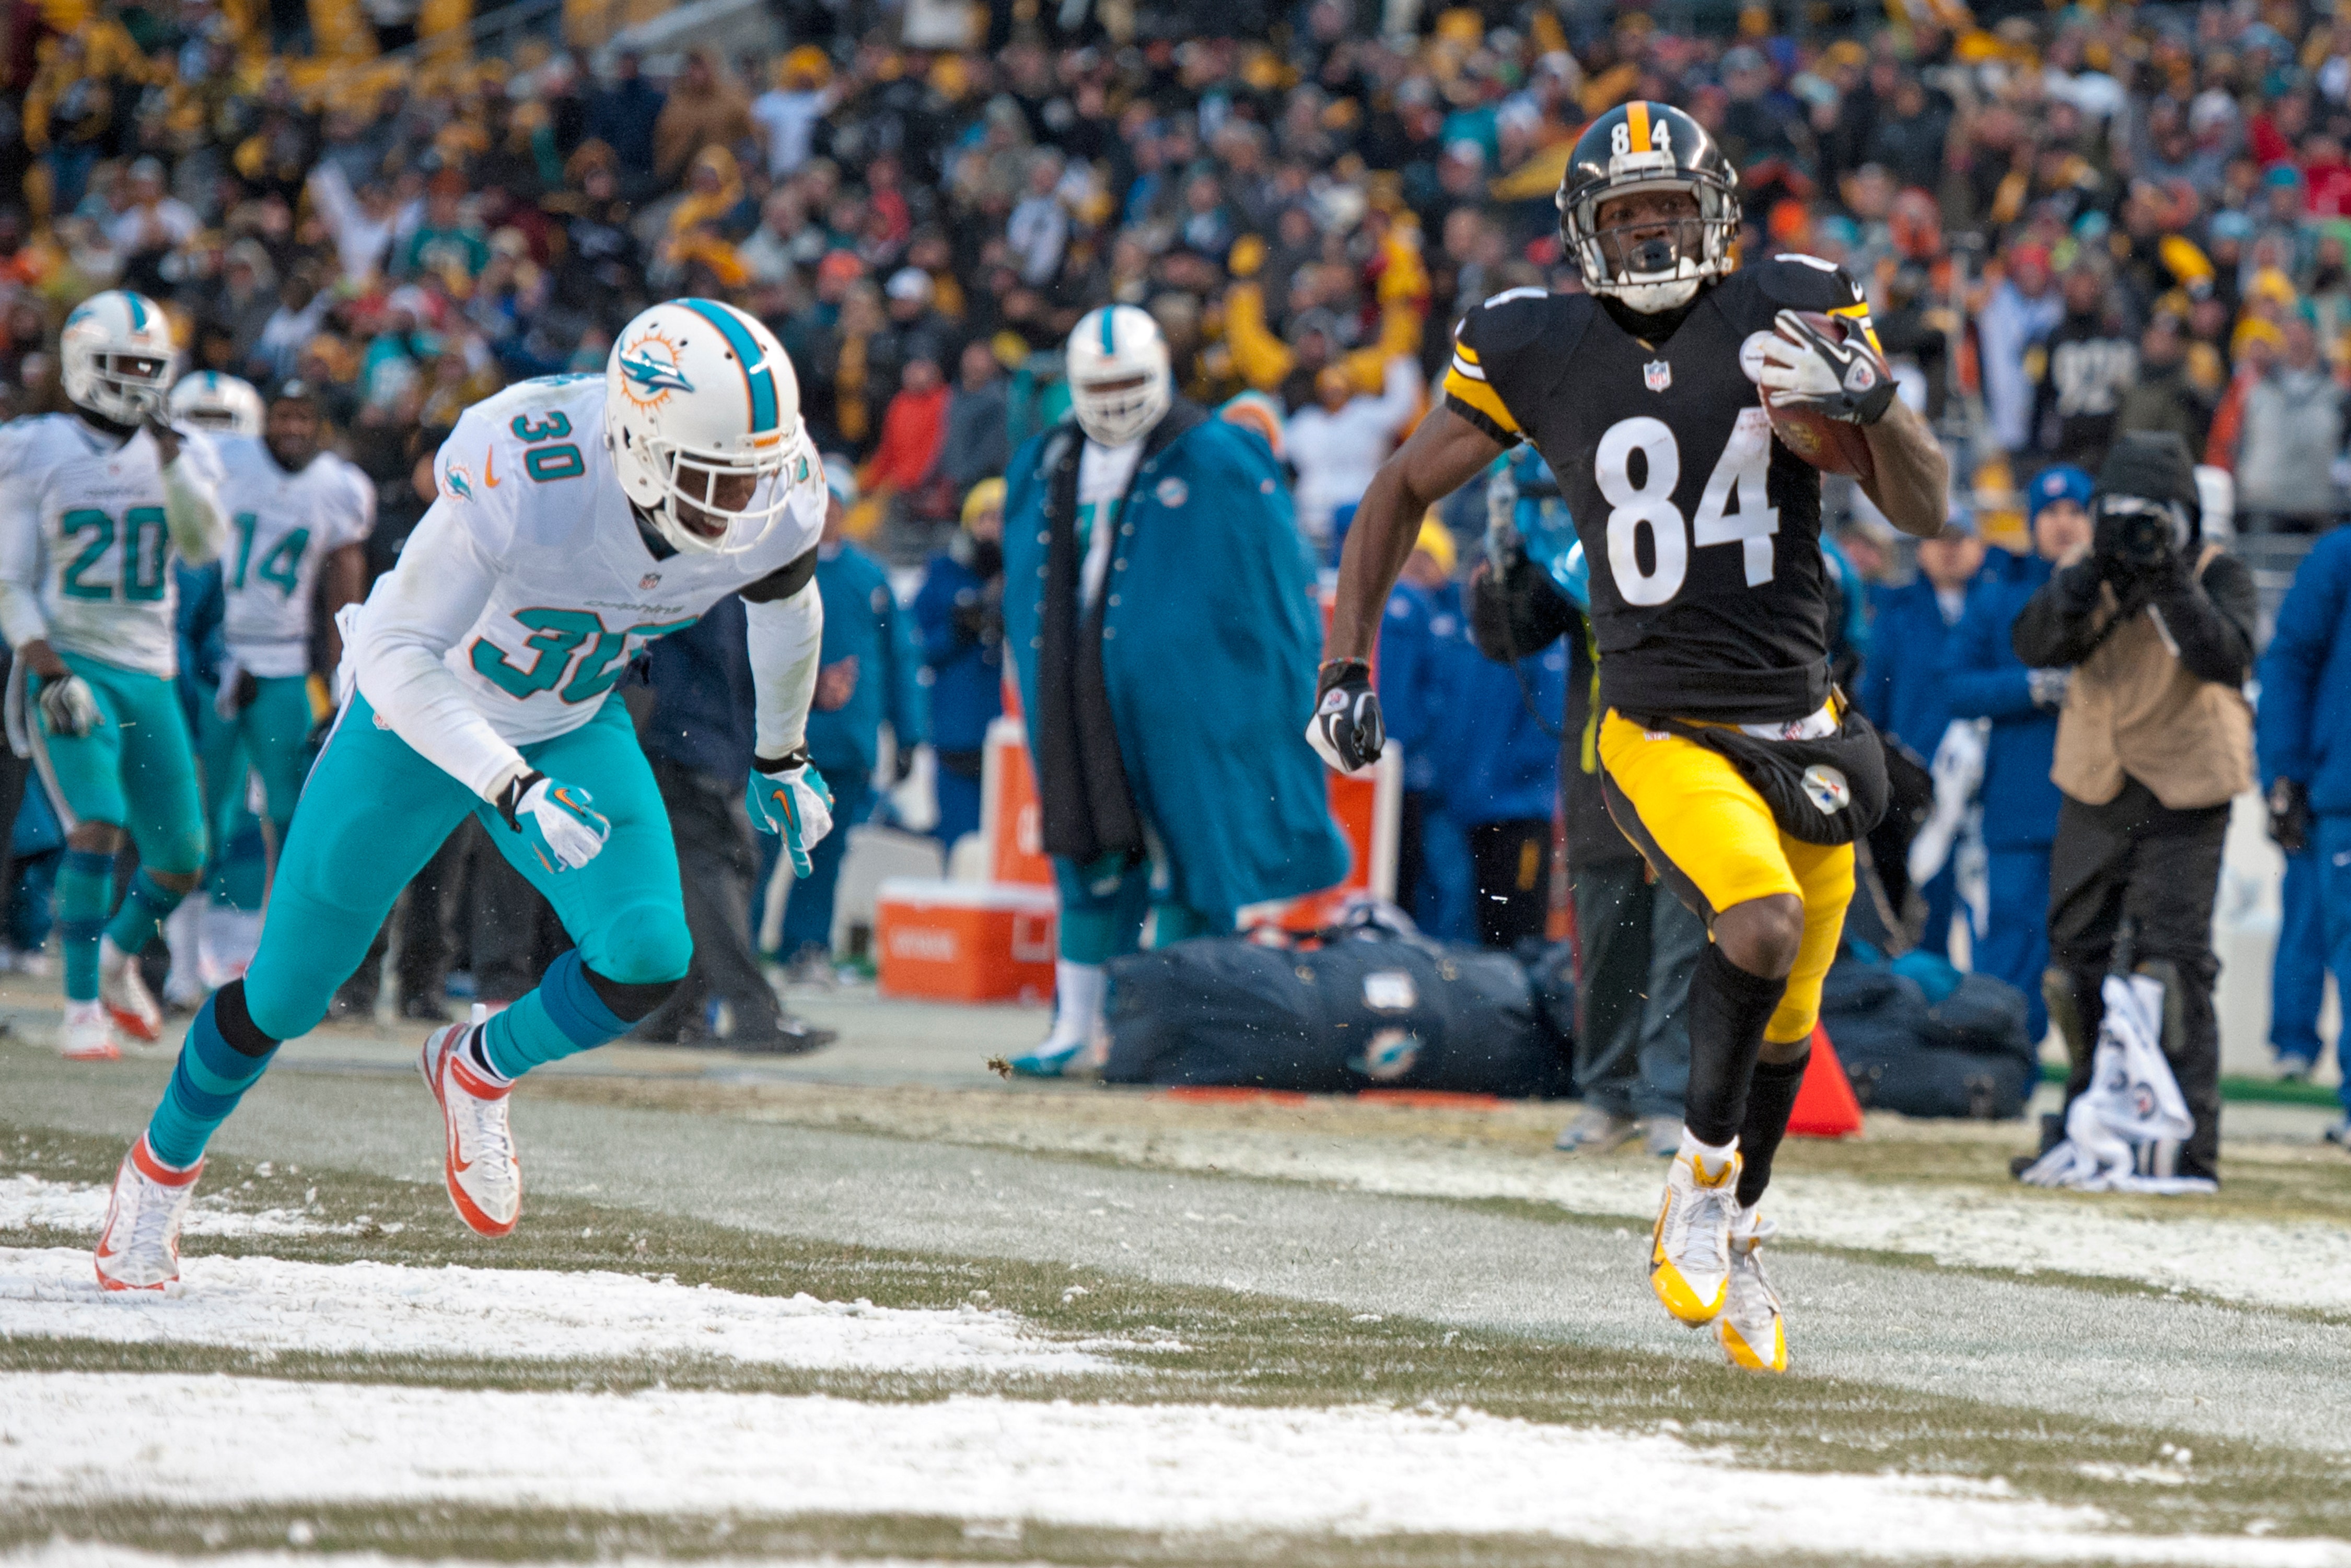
1722	731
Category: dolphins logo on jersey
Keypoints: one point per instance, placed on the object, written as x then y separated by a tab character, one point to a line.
649	371
459	484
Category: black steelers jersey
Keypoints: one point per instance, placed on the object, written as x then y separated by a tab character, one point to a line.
1702	532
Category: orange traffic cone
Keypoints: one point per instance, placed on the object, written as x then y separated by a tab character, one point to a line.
1825	1107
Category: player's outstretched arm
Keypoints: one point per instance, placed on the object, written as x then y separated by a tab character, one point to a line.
1445	453
785	796
1913	486
1439	458
417	613
192	508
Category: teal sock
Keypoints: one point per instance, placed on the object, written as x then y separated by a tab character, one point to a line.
85	893
563	1018
241	871
212	1076
144	909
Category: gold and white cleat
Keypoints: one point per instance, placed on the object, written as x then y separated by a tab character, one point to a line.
1749	1328
1690	1249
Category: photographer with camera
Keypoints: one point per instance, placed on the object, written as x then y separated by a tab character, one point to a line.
2153	741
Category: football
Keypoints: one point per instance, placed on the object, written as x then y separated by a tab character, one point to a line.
1831	445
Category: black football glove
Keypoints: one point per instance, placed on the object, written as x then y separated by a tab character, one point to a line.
1346	731
2290	816
1805	367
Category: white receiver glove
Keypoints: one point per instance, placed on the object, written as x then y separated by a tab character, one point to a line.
69	707
565	831
1845	380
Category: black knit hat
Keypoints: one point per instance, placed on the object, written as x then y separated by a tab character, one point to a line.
2153	466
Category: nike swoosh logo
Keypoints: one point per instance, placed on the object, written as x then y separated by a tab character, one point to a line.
490	469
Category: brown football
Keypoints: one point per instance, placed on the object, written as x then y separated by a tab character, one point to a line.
1831	445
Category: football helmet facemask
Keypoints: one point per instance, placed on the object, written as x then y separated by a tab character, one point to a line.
1651	264
702	414
115	356
1119	383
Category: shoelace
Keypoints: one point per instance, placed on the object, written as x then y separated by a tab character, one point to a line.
493	1139
152	1230
1702	1240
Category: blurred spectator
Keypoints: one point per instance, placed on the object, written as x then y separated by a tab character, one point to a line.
2292	436
623	114
1339	442
1635	944
704	109
788	112
959	612
2304	727
1500	753
2153	741
2023	308
1411	706
2081	370
1987	681
1903	691
697	734
977	441
913	428
2164	397
868	674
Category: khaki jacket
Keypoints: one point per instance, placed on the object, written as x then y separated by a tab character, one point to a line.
2135	709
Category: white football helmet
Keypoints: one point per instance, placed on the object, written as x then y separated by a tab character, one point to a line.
698	392
1119	380
115	355
207	400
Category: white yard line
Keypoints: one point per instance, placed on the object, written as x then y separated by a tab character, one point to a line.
92	1438
103	1555
2304	1265
379	1309
29	1202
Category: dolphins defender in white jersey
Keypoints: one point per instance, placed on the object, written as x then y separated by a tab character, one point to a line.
579	520
94	505
296	553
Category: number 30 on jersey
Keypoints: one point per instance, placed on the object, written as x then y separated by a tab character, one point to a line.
1732	510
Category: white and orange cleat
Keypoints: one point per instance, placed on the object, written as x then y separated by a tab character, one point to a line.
139	1246
127	1000
87	1033
484	1177
1749	1328
1689	1248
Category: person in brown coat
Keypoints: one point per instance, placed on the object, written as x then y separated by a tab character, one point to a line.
705	108
2154	740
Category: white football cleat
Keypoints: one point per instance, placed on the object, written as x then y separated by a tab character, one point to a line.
139	1246
126	995
1690	1249
484	1177
185	984
87	1033
1749	1328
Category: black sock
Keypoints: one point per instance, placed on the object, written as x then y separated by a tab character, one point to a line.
1771	1096
476	1053
1728	1009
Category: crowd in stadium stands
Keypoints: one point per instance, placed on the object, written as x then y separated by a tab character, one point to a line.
2070	223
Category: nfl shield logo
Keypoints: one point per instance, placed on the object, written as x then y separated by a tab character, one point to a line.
650	580
1658	374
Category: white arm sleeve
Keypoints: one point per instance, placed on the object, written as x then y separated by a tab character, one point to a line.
21	621
417	613
192	508
786	637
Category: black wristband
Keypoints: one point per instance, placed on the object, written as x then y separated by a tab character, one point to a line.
1338	673
797	756
510	798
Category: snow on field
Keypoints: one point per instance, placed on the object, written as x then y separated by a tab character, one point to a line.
32	1203
265	1304
2306	1265
85	1437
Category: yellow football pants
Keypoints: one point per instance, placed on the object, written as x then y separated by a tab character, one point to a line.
1712	839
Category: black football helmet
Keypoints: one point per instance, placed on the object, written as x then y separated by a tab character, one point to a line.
1637	147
